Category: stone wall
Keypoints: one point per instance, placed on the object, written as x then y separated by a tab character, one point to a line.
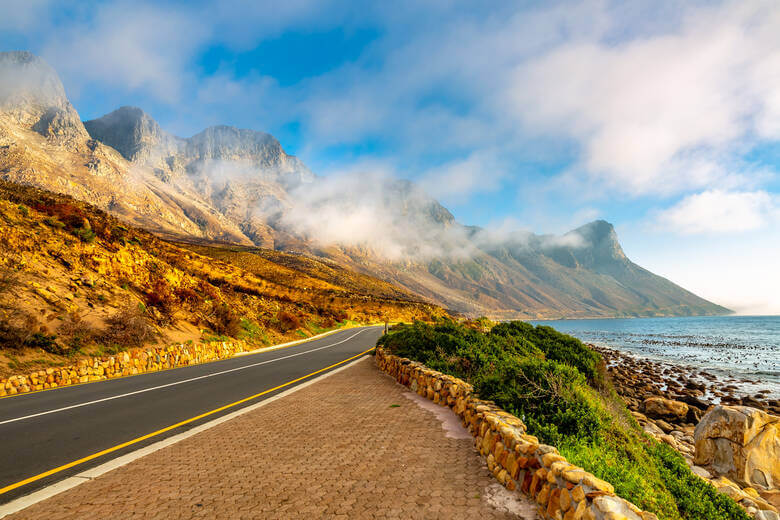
134	361
518	460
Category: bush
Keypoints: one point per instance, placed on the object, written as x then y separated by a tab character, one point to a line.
127	328
208	291
557	386
54	223
161	297
225	322
85	235
188	296
287	321
16	326
75	332
46	342
556	346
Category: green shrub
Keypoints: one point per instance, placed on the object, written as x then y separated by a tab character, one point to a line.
556	346
45	342
86	235
250	330
54	223
558	387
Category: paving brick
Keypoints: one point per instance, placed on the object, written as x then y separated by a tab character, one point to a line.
335	449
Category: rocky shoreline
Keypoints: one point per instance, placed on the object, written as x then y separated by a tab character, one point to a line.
636	379
669	402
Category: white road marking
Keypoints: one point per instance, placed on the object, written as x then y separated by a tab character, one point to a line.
85	476
177	382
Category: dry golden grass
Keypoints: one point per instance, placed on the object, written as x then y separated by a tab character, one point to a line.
77	270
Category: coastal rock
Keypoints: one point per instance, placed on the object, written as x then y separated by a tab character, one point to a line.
741	442
703	473
695	402
660	408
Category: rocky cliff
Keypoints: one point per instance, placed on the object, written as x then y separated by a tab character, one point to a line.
240	186
32	95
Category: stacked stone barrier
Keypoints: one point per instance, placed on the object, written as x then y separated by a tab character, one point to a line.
518	461
130	362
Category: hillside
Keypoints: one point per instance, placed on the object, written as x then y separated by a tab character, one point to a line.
75	280
238	186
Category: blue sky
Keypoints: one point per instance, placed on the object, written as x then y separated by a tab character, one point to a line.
662	117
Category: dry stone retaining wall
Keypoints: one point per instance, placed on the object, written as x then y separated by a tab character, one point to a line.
134	361
518	460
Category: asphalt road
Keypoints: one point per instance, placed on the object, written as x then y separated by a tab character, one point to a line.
45	430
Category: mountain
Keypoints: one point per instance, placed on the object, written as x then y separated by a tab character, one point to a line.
226	185
74	279
233	170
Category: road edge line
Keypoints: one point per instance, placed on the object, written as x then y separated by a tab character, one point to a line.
26	501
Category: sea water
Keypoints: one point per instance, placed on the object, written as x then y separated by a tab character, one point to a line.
742	350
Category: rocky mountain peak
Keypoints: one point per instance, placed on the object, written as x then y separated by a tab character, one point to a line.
594	246
600	235
250	150
134	134
32	94
230	143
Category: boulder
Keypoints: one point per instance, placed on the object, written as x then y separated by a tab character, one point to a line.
660	408
703	473
742	443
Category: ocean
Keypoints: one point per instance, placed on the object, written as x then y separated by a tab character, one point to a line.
742	350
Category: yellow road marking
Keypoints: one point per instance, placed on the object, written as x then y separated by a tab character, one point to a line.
168	428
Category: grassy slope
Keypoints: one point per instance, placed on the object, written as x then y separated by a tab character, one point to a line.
558	387
68	271
298	270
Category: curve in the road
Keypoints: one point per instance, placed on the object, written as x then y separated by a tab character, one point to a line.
48	434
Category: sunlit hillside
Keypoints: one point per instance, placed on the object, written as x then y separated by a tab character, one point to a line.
75	280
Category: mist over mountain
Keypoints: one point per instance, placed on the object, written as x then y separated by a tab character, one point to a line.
240	186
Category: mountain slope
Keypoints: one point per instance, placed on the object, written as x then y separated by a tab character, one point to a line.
74	279
44	143
229	185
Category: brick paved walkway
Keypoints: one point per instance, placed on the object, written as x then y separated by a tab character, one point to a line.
334	449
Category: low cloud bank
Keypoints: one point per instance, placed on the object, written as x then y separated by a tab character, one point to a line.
391	218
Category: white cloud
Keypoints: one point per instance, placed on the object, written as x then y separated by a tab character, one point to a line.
368	210
664	113
717	211
131	46
658	98
458	180
18	15
151	47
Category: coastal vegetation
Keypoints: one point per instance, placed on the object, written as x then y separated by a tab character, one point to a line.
559	388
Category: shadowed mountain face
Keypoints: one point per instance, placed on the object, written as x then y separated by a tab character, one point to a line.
240	186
